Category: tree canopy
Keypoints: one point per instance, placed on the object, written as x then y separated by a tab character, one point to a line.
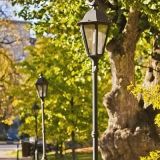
60	57
10	40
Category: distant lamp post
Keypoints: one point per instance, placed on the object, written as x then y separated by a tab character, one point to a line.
35	110
41	87
94	29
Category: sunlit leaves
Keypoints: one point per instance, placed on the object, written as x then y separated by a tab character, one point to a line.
155	155
150	95
8	121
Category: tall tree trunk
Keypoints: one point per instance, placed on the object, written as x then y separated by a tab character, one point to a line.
73	146
130	132
57	148
61	150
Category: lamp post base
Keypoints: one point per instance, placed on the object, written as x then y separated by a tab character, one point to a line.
44	158
36	155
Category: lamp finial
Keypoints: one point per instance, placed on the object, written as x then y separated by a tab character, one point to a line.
94	3
41	74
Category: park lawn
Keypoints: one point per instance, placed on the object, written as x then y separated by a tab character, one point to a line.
82	154
68	156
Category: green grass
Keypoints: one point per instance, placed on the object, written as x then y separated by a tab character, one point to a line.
14	154
67	156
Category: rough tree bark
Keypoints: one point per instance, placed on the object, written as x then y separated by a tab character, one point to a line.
131	131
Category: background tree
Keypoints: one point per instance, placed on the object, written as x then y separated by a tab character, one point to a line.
130	132
68	104
10	40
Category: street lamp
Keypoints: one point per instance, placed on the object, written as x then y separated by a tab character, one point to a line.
35	110
94	29
41	87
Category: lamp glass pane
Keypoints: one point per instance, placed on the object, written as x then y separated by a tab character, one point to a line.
102	33
90	33
44	90
35	111
39	90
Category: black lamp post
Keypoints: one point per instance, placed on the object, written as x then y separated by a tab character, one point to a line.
35	110
42	86
94	29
